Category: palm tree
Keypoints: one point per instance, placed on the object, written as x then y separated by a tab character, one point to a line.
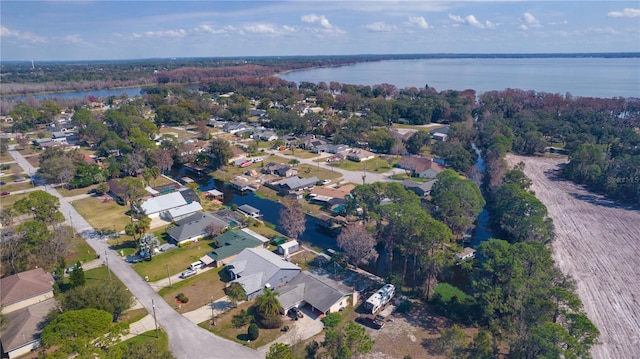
268	304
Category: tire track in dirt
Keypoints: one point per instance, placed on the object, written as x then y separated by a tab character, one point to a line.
598	244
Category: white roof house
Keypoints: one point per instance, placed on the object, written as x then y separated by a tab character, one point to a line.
183	211
154	206
256	269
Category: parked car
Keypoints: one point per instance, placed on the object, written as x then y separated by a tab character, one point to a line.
371	321
326	181
188	273
295	313
70	269
5	193
134	259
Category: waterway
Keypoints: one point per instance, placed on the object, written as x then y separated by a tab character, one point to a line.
128	91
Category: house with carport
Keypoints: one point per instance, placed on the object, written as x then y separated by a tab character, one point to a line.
322	294
257	269
194	227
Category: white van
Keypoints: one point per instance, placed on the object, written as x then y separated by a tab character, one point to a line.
196	265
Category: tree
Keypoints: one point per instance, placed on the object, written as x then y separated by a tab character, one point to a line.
236	293
268	304
452	342
76	277
347	342
42	205
357	243
112	297
22	140
253	332
456	201
138	228
3	320
133	191
241	319
74	332
102	188
292	218
7	216
220	152
280	351
214	229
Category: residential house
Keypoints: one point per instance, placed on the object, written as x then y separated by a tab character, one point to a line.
193	227
243	183
59	137
359	155
24	289
421	167
328	148
257	112
22	333
229	245
257	269
330	196
249	211
440	134
321	293
233	127
268	136
162	206
279	169
466	254
231	218
26	299
238	154
420	188
294	184
311	141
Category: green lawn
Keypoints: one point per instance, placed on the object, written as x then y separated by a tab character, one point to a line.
307	171
176	132
177	259
199	289
102	214
161	342
373	165
12	186
302	153
13	168
404	176
79	250
8	201
75	191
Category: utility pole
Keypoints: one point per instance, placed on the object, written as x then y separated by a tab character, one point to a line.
154	317
169	276
106	256
213	317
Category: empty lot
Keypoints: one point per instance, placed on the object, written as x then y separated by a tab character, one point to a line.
598	244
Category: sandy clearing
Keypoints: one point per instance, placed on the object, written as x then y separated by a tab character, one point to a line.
598	244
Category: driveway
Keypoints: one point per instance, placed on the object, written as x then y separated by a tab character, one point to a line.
186	339
301	329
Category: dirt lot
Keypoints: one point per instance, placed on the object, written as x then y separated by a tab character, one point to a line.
413	334
598	244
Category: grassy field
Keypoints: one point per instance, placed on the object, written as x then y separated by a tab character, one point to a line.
161	342
13	168
79	250
75	191
199	289
225	329
177	259
15	186
176	132
307	171
373	165
102	214
301	153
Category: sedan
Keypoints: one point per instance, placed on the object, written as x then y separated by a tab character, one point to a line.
5	193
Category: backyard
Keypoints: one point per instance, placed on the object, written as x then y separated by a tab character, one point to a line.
377	164
176	260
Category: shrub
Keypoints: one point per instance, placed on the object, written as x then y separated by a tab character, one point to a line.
182	298
405	306
332	320
253	331
241	319
271	322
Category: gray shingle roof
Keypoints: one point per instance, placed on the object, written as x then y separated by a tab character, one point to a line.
193	226
25	324
319	292
256	267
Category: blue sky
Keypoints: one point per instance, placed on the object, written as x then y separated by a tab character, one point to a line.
104	30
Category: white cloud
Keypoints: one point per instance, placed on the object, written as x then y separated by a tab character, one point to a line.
529	22
418	21
172	34
74	39
260	28
324	23
380	26
8	33
628	12
472	21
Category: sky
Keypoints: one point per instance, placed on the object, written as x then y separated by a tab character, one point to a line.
113	30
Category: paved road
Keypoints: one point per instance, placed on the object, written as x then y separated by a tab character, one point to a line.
186	339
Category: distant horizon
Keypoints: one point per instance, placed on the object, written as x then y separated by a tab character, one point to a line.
389	56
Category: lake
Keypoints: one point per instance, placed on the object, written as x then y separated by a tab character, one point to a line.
585	77
129	91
